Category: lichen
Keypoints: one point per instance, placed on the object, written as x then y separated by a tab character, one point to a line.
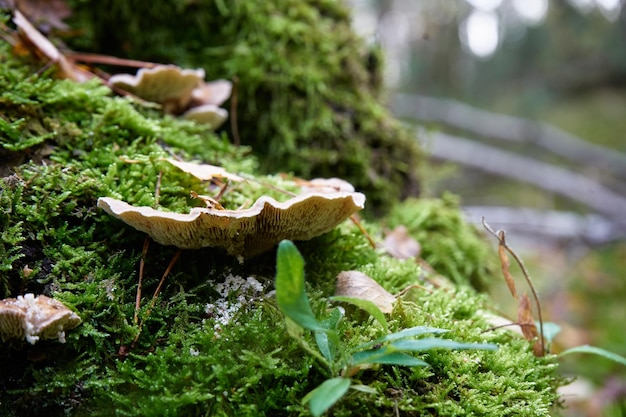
55	241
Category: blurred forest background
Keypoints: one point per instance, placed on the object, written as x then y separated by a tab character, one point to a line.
522	106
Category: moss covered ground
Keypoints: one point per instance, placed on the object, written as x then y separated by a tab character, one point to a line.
215	342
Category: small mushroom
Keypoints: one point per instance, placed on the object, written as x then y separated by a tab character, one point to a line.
203	172
168	85
245	232
208	114
212	92
35	318
324	185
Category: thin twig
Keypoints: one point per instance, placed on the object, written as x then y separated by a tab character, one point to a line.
156	293
500	235
144	252
157	191
358	224
165	275
108	60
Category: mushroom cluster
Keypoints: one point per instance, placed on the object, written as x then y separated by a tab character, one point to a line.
35	318
179	91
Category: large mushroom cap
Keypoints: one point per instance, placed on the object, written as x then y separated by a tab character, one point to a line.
241	232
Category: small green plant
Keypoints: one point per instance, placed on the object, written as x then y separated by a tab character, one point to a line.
341	361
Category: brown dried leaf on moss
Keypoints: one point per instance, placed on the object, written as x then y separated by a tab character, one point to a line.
358	285
399	244
35	318
245	232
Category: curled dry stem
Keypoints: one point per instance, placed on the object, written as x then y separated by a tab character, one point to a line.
500	235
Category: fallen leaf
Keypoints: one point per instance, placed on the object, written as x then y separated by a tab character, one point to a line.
399	244
525	318
358	285
44	47
506	264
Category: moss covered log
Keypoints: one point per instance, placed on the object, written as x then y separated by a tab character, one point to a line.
215	343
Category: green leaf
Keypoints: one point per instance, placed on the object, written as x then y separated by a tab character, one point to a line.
403	334
550	330
386	356
328	342
366	305
596	351
436	343
328	393
290	294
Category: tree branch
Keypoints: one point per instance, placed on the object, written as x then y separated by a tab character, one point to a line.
508	128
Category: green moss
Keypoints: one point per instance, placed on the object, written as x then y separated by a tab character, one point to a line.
187	359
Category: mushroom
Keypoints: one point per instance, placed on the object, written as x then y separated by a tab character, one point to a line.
203	172
168	85
35	318
242	233
214	92
208	114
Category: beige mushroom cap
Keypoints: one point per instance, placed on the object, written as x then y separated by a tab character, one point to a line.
241	232
204	172
208	114
212	92
35	318
165	84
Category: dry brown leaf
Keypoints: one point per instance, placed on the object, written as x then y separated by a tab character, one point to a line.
525	318
241	232
46	48
506	264
203	172
399	244
358	285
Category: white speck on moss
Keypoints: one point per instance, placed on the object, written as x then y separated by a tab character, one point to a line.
236	293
